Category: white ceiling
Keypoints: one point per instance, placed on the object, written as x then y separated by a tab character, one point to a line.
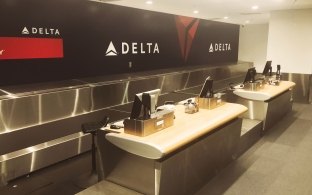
237	11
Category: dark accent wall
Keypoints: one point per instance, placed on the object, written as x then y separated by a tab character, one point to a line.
87	28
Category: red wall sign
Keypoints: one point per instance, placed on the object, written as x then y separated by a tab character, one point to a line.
30	48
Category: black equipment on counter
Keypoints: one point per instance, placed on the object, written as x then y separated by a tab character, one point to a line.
250	75
267	71
278	72
144	104
206	91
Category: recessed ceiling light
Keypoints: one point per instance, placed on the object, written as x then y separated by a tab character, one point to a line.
226	17
195	11
255	7
149	2
247	21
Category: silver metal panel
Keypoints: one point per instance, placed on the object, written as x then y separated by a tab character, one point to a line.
33	158
59	105
197	77
257	110
174	82
302	91
146	84
46	87
277	108
25	108
17	113
103	96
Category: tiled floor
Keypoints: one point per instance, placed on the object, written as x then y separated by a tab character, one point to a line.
279	163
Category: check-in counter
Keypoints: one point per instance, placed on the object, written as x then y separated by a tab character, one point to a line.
176	160
268	104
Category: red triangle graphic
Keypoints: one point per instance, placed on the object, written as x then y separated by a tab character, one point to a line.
193	29
185	20
186	27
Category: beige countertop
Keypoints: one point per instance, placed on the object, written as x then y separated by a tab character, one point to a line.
266	93
186	128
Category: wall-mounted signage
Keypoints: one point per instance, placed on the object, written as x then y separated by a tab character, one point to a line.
133	48
35	43
219	47
30	48
186	28
87	38
40	31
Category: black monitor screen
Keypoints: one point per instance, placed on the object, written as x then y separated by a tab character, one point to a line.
206	91
267	70
278	70
250	75
144	104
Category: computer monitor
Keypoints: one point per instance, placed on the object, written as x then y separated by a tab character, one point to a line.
250	75
144	104
278	70
267	70
206	91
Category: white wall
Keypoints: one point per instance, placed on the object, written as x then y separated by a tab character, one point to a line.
253	40
290	40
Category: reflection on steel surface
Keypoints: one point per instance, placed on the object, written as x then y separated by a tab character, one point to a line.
30	106
302	91
30	110
36	157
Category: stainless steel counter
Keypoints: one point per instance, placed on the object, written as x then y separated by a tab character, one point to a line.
38	113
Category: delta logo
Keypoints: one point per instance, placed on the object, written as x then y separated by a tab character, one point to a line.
219	47
132	48
40	31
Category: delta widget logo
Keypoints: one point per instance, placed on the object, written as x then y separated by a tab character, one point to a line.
40	31
219	47
111	50
132	48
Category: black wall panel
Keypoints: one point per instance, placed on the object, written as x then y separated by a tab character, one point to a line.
87	28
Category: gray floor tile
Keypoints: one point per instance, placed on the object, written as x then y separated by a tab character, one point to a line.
279	163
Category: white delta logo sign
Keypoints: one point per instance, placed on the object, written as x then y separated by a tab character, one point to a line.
40	31
219	47
133	48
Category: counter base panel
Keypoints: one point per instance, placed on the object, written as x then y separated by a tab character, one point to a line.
277	108
181	172
251	133
270	111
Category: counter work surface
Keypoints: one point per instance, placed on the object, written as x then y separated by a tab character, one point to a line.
186	128
268	92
